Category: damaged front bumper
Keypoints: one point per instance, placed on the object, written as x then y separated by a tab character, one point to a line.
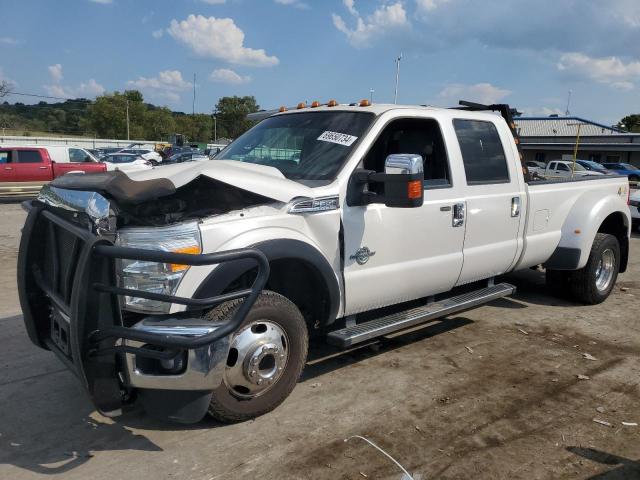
71	306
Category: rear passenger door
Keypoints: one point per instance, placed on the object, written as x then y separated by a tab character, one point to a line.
29	166
493	199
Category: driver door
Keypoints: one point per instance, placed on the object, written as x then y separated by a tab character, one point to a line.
394	255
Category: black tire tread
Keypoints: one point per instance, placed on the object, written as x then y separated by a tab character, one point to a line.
581	282
223	312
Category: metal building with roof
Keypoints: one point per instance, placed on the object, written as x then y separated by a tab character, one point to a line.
552	138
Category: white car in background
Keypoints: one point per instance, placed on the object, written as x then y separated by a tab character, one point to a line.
634	206
126	162
566	168
150	155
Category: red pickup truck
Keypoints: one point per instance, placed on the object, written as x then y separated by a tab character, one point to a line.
24	170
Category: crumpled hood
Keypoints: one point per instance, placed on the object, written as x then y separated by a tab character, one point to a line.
145	185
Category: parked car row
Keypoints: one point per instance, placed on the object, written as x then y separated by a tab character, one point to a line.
566	168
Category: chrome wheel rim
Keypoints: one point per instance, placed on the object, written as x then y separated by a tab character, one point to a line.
257	359
605	270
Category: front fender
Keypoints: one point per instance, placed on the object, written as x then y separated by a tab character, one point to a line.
581	225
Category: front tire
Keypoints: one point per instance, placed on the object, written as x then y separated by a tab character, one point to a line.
593	283
266	358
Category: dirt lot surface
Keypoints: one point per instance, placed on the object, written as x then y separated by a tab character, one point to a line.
493	393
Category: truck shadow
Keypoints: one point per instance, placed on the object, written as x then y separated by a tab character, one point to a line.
627	468
324	358
531	288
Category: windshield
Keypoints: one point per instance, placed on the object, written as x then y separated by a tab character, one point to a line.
303	146
593	165
578	168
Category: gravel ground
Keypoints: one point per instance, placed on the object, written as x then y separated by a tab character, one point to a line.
493	393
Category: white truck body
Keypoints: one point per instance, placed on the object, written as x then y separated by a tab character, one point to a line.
345	209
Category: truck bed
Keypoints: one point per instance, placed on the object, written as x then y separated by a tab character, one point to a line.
555	212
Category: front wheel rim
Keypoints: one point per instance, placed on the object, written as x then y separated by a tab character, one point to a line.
605	270
257	359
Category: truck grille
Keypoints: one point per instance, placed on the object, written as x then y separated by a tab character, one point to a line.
60	258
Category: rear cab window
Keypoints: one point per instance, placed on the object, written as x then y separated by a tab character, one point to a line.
29	156
482	152
5	156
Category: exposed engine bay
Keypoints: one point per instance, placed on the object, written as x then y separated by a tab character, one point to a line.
200	198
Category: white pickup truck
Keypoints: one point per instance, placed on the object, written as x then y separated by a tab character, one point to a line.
195	287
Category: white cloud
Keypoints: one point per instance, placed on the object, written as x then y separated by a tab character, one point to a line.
55	72
293	3
382	20
351	6
166	85
8	41
87	89
225	75
218	38
157	33
213	2
480	92
608	70
102	2
541	111
429	5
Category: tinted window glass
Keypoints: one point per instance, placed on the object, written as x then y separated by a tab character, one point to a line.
562	166
5	157
29	156
482	152
77	156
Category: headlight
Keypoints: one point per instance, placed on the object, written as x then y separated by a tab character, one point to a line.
151	276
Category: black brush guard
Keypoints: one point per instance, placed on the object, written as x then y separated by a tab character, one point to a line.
84	291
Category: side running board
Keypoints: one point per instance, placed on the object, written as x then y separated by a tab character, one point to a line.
378	327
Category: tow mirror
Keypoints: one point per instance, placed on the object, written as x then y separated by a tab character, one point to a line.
402	181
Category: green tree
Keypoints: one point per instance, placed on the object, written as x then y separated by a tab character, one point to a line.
108	115
631	123
232	115
158	124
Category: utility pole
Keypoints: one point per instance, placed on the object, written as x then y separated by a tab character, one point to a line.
127	119
193	106
395	96
371	92
214	114
575	149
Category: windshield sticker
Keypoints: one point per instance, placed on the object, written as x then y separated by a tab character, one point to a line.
339	138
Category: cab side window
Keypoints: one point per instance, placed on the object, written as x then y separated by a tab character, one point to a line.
482	153
28	156
5	157
413	135
77	156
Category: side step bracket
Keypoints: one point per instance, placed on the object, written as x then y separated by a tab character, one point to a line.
379	327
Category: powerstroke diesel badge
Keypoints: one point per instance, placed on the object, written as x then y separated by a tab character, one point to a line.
362	255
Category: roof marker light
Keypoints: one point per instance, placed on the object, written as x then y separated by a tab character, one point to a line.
282	109
332	103
365	103
301	105
315	104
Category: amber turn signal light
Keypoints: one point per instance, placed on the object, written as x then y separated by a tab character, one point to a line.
192	250
414	189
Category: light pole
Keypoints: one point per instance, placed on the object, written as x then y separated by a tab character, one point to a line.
127	119
214	114
371	92
395	96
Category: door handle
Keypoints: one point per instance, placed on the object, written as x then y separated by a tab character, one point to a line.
43	168
8	168
515	207
458	215
446	208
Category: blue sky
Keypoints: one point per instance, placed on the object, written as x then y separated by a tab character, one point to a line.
528	53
